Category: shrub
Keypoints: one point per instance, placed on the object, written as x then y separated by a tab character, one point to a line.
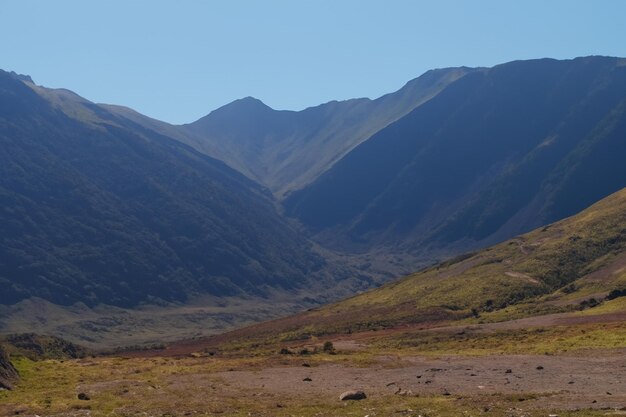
616	293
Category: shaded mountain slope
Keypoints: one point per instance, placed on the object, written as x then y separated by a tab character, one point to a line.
286	149
577	265
98	209
496	153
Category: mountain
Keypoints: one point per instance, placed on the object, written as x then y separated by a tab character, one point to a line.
97	209
285	150
496	153
565	271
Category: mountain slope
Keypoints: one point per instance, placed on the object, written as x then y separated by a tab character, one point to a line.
496	153
97	209
286	149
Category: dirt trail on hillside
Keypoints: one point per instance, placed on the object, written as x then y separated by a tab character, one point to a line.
566	382
548	320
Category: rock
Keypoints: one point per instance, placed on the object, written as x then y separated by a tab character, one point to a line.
307	379
508	371
405	393
84	397
19	410
352	395
445	392
539	368
306	365
34	347
8	374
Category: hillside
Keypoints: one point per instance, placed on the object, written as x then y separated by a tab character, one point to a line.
496	153
99	210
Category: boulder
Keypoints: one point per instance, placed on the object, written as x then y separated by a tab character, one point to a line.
352	395
8	373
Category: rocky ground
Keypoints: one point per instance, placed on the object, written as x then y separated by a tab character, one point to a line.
541	381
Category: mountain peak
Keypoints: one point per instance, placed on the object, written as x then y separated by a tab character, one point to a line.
246	104
240	109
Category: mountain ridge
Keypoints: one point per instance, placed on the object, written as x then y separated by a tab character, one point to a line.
428	173
285	149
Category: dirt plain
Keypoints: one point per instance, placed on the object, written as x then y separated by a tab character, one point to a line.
593	380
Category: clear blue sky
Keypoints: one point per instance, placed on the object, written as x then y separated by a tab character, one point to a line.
178	60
